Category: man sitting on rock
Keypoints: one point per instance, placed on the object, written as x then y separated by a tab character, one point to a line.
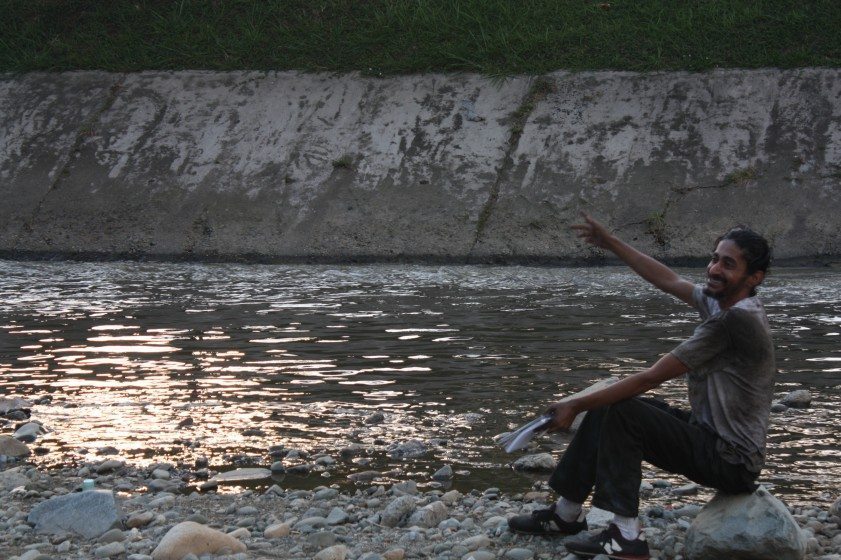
721	443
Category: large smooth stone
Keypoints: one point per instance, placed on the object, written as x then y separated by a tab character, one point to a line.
745	527
797	399
242	475
397	511
541	462
338	552
13	478
29	432
444	473
12	447
429	516
191	538
407	449
88	514
835	508
8	404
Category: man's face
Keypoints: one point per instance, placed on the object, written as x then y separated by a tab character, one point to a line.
727	276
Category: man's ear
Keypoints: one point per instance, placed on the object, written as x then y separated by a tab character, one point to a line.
756	278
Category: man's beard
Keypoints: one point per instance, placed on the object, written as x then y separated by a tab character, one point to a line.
720	293
715	295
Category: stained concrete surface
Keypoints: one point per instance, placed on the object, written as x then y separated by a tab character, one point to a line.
461	168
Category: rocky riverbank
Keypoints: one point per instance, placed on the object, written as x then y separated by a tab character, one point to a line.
371	522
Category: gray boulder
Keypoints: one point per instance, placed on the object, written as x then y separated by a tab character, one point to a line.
745	527
375	418
29	432
88	514
13	478
542	462
241	475
8	404
407	449
797	399
397	511
444	473
429	516
13	448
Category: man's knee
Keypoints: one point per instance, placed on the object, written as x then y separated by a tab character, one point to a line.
624	416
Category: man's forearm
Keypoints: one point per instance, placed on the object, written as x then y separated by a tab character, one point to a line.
651	269
667	367
646	266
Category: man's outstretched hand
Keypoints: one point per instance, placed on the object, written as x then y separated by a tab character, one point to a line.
592	231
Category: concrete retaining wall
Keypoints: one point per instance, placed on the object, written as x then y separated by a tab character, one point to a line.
288	166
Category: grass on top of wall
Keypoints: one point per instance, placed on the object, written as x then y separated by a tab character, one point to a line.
379	37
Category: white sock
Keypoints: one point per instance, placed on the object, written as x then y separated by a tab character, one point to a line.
567	510
628	526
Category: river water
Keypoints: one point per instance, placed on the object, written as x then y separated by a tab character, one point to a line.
261	355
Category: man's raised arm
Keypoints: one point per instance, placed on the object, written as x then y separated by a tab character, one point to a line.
648	267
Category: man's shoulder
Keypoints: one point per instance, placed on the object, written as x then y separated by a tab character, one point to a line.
747	315
705	305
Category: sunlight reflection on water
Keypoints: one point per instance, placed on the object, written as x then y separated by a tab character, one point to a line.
256	356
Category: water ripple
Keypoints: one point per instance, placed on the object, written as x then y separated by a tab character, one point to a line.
302	354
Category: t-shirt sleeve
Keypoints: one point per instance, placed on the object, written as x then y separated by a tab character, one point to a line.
709	339
701	302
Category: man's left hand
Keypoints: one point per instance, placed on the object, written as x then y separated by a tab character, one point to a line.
563	413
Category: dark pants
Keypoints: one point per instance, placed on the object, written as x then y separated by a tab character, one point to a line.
611	443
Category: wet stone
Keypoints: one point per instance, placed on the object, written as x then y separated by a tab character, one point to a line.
321	539
109	550
325	494
519	554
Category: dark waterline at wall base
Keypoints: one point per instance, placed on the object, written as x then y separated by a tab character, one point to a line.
818	261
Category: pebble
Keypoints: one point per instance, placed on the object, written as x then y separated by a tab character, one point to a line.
310	524
394	554
161	474
479	555
338	552
321	539
443	474
541	462
325	494
277	530
109	465
476	542
800	398
519	554
112	536
375	418
686	490
352	523
109	550
33	555
337	516
241	533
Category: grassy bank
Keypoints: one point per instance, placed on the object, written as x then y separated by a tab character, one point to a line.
400	36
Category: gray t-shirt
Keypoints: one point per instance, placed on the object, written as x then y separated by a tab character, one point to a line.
730	358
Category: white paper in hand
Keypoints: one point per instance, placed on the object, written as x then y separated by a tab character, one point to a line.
519	438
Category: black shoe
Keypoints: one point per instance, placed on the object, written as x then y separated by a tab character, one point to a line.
612	543
541	522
